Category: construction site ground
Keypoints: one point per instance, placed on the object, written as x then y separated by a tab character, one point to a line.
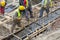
53	29
52	33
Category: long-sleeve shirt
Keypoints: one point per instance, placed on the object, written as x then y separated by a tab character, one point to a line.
2	10
15	18
42	2
48	2
15	15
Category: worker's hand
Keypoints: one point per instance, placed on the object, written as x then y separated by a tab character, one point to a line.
52	6
18	19
44	6
55	5
26	7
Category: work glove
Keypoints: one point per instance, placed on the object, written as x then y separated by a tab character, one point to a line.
45	6
55	5
18	19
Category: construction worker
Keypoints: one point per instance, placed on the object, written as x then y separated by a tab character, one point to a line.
17	17
21	2
46	4
27	4
2	7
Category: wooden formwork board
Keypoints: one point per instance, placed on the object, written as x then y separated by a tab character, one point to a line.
23	23
38	31
3	22
41	30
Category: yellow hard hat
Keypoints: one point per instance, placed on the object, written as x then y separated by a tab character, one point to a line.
21	8
2	3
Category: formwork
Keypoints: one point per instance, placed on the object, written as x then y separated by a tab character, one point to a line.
35	28
29	28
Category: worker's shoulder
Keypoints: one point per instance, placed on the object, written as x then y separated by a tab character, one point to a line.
16	10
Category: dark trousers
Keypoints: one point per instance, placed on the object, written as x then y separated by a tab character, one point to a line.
42	10
30	11
24	13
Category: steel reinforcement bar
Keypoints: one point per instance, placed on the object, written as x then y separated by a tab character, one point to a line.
34	28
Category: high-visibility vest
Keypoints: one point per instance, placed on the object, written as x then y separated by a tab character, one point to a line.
46	2
19	14
51	4
26	3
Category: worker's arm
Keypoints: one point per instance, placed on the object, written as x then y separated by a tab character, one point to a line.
21	2
15	16
30	2
51	3
42	3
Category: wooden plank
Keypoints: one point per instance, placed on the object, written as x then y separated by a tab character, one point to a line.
17	37
38	31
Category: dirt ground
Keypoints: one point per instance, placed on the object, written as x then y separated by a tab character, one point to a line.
56	25
52	32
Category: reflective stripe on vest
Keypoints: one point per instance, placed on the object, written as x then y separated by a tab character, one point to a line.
47	2
19	14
